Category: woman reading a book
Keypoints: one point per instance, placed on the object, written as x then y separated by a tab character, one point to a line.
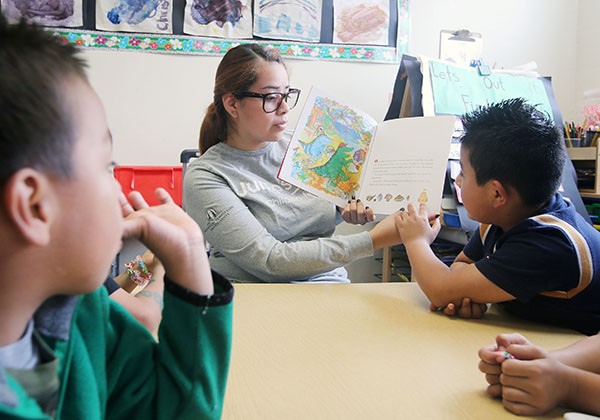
261	229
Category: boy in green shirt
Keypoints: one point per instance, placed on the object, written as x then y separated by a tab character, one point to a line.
67	350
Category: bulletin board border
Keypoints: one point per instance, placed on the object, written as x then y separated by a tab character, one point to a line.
190	45
207	46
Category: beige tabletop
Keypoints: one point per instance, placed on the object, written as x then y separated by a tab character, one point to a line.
362	351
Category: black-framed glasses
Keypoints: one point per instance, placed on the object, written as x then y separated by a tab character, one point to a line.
272	101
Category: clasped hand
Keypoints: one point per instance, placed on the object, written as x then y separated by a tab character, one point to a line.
528	379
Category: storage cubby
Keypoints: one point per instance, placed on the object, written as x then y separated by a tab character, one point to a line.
585	161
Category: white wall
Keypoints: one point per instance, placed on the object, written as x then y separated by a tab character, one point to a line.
155	102
514	32
588	58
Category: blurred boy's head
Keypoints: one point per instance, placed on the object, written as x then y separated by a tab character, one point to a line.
35	73
517	145
60	200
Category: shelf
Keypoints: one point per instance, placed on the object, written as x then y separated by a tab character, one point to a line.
582	153
585	161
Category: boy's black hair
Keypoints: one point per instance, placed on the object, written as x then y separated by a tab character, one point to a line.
35	126
513	142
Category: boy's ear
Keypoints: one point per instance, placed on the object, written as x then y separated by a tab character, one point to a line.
499	192
29	205
230	103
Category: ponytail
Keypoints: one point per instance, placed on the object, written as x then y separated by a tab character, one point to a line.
213	129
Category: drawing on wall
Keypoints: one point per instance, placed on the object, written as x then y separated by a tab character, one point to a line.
361	21
152	16
218	18
298	20
45	12
332	148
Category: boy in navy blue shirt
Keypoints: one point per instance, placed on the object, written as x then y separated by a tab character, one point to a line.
533	252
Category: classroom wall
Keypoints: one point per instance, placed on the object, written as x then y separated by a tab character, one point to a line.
155	102
588	59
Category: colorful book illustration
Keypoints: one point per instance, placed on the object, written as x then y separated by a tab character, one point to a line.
337	151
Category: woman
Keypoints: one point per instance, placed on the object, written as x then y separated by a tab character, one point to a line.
260	228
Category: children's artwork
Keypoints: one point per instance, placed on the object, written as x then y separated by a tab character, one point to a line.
338	151
361	22
44	12
153	16
218	18
298	20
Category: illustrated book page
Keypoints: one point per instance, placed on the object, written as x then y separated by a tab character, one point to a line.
338	151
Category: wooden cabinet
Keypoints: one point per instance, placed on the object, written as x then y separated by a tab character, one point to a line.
585	161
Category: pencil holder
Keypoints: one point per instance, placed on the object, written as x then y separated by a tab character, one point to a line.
591	138
574	142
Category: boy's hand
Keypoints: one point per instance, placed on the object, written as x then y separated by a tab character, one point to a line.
533	383
356	213
172	236
491	358
467	309
414	225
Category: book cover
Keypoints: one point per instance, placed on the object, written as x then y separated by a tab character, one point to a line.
338	151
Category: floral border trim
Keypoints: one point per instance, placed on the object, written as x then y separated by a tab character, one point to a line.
184	44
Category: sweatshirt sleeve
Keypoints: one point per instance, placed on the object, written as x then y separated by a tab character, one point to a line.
194	349
244	241
184	375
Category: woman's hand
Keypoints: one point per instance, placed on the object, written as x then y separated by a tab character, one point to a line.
356	213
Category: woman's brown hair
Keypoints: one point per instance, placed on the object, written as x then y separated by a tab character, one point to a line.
237	71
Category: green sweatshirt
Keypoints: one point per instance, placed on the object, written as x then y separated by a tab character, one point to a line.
111	367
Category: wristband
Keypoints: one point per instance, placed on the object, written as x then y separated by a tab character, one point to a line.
138	271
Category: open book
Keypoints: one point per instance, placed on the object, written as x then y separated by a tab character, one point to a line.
338	151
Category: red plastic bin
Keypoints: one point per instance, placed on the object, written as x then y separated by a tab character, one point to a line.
146	179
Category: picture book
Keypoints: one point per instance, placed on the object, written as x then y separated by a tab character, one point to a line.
338	151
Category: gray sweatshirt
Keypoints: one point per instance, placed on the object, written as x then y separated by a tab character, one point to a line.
261	229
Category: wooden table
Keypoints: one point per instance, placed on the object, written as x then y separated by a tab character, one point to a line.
362	351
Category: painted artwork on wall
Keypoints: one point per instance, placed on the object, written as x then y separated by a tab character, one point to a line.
218	18
297	20
153	16
296	28
45	12
361	22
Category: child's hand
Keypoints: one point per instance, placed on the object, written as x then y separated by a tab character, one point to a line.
533	383
356	213
491	358
416	225
172	236
467	309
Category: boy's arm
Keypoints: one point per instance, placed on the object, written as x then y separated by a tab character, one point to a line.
584	394
468	309
443	285
583	354
583	359
192	357
194	351
184	374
